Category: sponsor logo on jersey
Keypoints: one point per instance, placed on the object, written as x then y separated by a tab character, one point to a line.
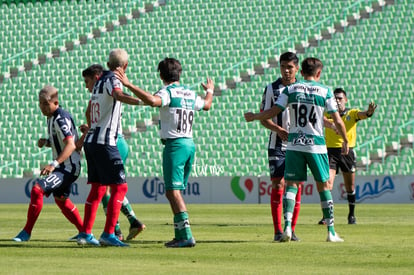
301	139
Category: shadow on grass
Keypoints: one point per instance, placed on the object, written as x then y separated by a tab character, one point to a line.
198	242
41	244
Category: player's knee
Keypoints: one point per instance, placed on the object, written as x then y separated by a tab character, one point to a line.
278	183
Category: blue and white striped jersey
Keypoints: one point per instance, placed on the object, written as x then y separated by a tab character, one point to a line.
270	95
105	112
60	127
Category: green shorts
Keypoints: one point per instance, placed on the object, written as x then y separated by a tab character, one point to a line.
177	162
122	147
296	166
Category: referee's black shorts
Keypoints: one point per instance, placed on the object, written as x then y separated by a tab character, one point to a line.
347	163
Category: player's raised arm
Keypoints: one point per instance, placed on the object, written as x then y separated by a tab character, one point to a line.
209	88
368	113
147	98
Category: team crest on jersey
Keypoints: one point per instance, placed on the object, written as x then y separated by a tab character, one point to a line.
303	98
186	104
301	139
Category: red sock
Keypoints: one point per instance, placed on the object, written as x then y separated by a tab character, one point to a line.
71	212
276	205
35	206
297	207
91	206
118	192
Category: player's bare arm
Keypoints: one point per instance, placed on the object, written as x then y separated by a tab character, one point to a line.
84	128
125	98
281	132
67	151
340	126
147	98
368	113
209	88
274	111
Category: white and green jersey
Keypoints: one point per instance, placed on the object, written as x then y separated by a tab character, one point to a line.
177	111
307	101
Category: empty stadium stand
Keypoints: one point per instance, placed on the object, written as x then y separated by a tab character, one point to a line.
366	47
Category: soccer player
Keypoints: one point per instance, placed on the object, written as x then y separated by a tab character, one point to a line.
62	171
105	166
91	76
347	163
177	104
307	101
279	126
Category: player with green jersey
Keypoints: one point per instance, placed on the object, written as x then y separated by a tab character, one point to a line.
177	105
307	101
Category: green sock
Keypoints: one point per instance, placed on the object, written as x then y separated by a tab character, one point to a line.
328	209
289	204
126	209
105	201
182	226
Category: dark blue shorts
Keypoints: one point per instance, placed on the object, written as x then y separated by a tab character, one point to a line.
59	182
276	162
105	165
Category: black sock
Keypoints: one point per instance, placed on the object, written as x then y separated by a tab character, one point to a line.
351	203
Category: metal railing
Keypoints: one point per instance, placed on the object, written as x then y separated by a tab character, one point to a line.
236	68
59	39
368	153
278	46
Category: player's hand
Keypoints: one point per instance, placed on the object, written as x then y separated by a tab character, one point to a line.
120	74
47	170
249	116
371	108
84	128
41	142
283	134
208	85
345	148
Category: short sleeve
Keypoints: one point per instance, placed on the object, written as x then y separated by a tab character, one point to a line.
64	127
165	97
330	104
199	103
282	100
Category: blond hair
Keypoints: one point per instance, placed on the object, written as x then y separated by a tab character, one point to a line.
117	58
48	92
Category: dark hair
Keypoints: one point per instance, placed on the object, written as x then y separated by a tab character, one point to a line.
170	69
92	70
289	56
310	66
339	91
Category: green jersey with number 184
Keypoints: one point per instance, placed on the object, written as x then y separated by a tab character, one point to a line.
177	111
307	101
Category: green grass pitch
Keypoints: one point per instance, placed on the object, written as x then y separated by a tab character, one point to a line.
231	239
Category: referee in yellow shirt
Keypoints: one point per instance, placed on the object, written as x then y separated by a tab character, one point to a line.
347	163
